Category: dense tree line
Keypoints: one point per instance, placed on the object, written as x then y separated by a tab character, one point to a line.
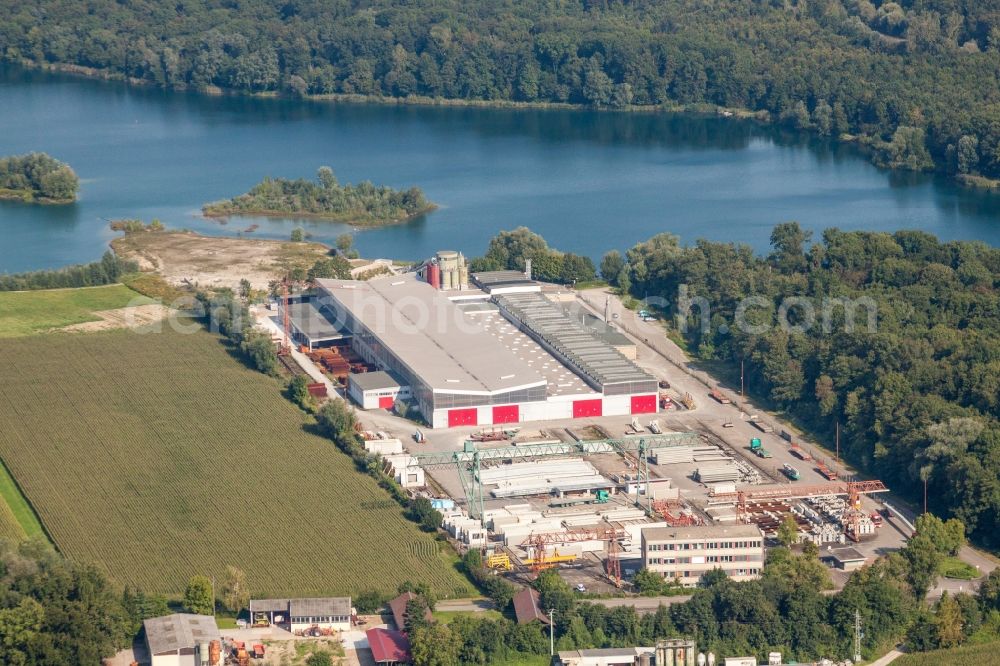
108	270
916	389
37	177
53	611
915	79
229	316
364	204
786	610
509	250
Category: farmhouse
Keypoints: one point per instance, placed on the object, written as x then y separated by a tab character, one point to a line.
526	607
303	614
183	639
398	608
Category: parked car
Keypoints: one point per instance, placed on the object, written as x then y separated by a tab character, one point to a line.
664	384
580	587
727	424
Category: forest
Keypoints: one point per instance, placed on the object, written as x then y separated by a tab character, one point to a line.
108	270
53	611
364	204
907	362
914	80
37	177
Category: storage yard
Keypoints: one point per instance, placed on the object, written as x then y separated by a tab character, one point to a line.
555	443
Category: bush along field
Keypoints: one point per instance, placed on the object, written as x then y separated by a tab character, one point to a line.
158	457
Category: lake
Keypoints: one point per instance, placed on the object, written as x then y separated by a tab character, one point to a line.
587	181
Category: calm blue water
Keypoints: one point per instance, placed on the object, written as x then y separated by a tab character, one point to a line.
587	181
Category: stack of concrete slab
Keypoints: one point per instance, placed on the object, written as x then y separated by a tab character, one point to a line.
673	455
711	455
722	513
622	514
717	473
384	447
543	478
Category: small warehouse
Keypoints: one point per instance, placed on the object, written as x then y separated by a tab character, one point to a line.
183	639
333	613
376	390
605	656
848	559
388	646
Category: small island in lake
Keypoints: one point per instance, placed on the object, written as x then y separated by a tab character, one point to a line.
363	204
37	178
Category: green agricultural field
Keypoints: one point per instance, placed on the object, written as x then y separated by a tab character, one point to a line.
17	520
29	312
966	655
160	456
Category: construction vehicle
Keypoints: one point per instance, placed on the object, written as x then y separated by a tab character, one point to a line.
790	472
688	401
799	452
498	561
757	448
666	402
716	395
599	497
876	518
825	472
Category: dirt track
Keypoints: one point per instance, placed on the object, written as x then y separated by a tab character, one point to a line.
188	258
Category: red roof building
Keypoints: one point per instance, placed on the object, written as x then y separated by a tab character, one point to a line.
526	607
388	646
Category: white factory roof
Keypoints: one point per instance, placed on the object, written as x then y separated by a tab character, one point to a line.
438	343
595	359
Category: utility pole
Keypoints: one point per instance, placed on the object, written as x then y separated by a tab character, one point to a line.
742	395
552	632
925	494
857	636
213	596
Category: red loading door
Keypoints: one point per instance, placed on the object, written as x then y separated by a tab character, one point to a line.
462	417
585	408
386	402
506	414
643	404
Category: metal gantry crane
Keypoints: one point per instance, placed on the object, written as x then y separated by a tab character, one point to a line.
609	534
470	460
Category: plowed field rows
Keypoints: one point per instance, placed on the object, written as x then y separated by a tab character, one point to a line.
159	457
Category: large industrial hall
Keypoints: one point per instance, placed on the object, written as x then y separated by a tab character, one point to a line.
469	357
